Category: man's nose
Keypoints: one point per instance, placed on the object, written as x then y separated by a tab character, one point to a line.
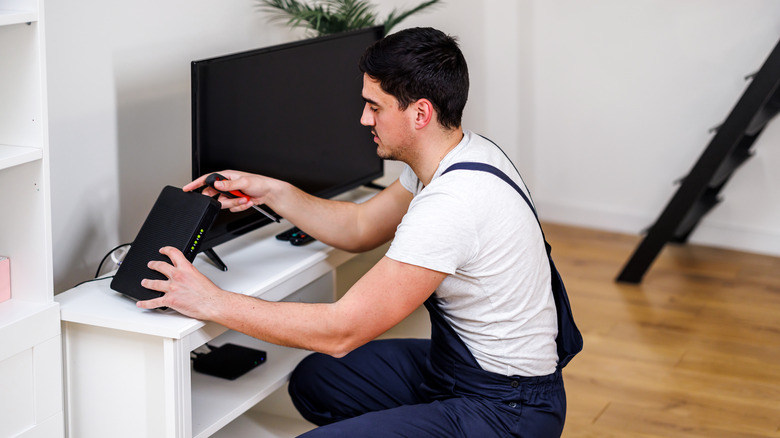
366	119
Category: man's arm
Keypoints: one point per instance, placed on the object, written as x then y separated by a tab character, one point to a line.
382	298
345	225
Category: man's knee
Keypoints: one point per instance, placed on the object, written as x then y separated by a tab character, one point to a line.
377	376
306	390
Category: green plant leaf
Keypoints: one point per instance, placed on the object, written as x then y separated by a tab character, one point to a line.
333	16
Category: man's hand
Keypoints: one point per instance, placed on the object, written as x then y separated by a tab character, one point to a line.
257	187
186	290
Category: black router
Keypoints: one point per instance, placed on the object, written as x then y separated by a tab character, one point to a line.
179	219
230	361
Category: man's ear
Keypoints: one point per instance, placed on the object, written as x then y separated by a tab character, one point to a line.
424	113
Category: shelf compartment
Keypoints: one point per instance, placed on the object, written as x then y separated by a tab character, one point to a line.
217	402
10	17
26	236
11	156
22	86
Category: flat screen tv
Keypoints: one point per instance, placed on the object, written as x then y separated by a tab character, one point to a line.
290	111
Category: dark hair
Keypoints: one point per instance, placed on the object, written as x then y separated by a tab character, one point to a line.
421	63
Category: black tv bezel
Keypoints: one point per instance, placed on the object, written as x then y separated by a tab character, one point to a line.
250	220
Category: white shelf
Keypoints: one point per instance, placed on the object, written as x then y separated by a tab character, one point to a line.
11	17
259	266
13	311
252	272
37	321
217	402
11	156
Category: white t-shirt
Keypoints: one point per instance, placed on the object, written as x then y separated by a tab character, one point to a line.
475	227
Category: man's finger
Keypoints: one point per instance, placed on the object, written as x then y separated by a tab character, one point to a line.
176	256
162	267
156	285
199	182
151	304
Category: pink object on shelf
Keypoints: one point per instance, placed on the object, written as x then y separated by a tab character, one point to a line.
5	279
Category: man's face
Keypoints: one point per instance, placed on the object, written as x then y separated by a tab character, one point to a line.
393	128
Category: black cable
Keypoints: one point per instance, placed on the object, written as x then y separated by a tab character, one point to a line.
100	266
94	279
97	273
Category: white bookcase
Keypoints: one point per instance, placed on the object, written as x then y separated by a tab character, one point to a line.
30	346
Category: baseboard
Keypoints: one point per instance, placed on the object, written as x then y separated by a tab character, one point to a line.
708	233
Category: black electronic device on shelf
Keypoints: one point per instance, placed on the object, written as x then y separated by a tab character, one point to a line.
178	219
228	361
291	112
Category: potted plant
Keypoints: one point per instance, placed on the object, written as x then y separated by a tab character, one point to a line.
333	16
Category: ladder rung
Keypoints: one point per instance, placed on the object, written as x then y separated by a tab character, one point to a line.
702	206
736	159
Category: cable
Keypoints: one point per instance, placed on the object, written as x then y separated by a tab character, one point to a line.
100	266
97	273
94	279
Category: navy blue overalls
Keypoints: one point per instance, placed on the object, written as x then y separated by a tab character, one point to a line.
434	388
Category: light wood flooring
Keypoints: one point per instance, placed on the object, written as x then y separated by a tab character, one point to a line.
692	351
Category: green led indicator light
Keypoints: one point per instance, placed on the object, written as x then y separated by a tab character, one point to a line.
192	248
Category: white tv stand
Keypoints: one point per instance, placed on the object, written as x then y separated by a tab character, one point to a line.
128	371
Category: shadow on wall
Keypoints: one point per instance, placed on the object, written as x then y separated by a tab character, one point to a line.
80	265
154	146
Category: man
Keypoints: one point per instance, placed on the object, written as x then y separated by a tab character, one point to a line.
465	243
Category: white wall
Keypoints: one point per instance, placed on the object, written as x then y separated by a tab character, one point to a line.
119	105
120	111
625	93
602	104
496	39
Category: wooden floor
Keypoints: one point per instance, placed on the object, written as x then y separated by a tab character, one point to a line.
693	351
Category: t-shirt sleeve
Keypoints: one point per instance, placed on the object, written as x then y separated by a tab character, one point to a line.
436	233
408	179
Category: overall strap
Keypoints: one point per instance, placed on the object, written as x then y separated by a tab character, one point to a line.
569	339
483	167
470	165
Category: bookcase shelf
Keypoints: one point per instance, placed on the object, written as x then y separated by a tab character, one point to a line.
38	321
217	402
30	343
11	156
10	17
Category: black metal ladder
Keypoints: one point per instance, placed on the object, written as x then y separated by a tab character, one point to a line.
699	190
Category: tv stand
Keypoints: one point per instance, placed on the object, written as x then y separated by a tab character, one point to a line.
212	255
128	369
375	186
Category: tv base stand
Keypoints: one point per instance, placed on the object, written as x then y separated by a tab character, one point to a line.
375	186
212	255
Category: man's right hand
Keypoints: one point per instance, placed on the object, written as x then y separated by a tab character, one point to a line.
256	187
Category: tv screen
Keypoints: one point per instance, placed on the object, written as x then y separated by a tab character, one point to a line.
290	112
